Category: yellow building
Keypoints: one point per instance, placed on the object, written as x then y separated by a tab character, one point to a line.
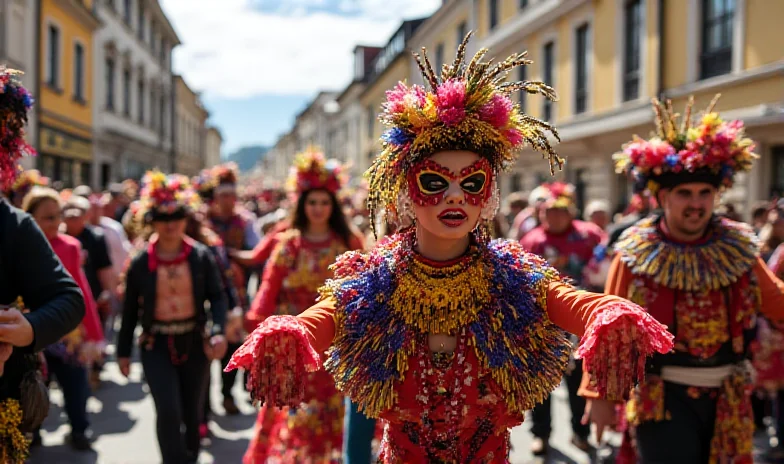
65	129
608	58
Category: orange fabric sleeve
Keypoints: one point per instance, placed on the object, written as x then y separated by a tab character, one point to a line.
573	310
772	290
320	324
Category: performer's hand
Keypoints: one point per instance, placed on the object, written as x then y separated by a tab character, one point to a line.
602	413
216	347
5	352
125	366
15	328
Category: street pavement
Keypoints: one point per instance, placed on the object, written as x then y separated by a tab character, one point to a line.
123	419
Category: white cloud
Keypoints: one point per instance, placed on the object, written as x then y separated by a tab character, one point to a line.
234	50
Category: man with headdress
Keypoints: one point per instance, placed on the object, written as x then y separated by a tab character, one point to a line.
702	276
41	303
448	336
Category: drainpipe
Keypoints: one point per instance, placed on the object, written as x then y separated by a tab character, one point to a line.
660	71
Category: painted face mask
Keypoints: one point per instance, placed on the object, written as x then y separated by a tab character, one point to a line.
429	182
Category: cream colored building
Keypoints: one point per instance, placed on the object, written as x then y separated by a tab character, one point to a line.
213	142
190	131
605	59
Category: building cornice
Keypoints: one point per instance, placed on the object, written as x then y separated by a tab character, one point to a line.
727	80
535	17
155	7
78	10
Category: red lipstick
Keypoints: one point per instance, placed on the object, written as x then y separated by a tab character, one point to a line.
453	217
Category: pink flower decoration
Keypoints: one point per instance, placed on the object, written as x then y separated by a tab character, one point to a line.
496	111
451	97
514	137
396	98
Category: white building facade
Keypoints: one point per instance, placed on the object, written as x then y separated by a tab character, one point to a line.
18	29
134	94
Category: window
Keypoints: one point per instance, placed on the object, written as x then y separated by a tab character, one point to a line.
112	5
523	4
717	18
548	61
371	120
462	30
522	77
581	69
141	20
53	57
109	78
516	182
632	23
493	14
439	58
141	100
127	12
163	52
777	184
78	72
127	92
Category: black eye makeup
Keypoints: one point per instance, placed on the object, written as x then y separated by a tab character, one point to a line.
432	183
475	183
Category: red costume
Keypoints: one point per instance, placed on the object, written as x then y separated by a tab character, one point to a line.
313	431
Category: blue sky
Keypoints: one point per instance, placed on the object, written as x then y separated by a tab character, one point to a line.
257	63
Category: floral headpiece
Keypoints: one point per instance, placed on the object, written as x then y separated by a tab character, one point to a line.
15	101
469	107
167	196
559	195
311	170
225	173
26	181
205	183
711	151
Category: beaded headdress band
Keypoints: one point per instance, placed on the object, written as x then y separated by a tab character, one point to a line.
311	170
467	108
15	101
164	195
712	150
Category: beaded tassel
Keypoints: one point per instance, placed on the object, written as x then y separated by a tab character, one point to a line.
13	444
615	346
277	355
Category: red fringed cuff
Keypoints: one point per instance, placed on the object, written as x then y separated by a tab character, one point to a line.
277	355
615	346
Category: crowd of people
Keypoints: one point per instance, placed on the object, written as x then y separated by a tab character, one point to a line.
416	310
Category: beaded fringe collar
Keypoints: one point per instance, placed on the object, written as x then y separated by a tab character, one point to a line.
387	299
729	252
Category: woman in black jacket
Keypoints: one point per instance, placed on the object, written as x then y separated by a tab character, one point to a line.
168	286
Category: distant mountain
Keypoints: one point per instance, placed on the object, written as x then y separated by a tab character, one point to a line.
247	157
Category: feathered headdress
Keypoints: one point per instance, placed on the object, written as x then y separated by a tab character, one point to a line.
311	170
711	151
15	101
165	196
468	108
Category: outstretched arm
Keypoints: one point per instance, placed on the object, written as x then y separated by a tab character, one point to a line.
616	336
282	349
